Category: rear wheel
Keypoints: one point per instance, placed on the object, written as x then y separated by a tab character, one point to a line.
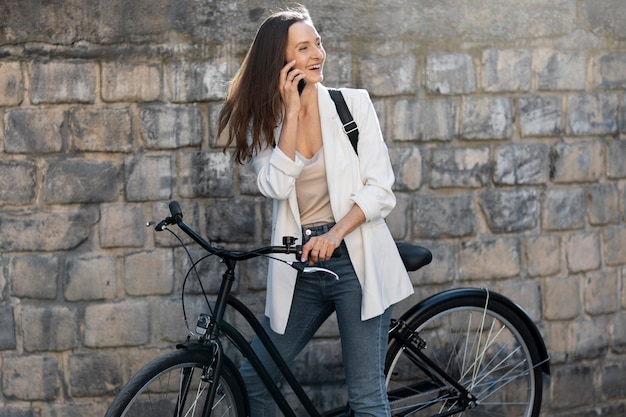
482	344
177	384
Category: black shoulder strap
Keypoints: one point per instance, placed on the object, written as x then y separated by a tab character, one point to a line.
349	125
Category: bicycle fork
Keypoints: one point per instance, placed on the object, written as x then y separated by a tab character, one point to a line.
412	342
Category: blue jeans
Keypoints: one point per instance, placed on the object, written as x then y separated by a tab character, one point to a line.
363	343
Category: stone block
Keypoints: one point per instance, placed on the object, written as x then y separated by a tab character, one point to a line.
74	409
424	120
11	84
608	70
564	209
541	115
570	385
615	159
7	324
247	180
442	269
62	81
78	180
591	338
82	368
612	381
20	411
45	229
130	82
450	73
443	216
90	278
592	114
614	239
489	259
101	129
576	161
603	204
170	127
50	328
17	182
31	378
462	167
510	211
122	226
387	75
231	220
521	164
525	293
486	118
117	324
542	255
557	340
407	166
601	292
149	177
206	174
338	69
149	273
193	81
583	251
34	276
29	130
399	220
506	70
557	70
562	299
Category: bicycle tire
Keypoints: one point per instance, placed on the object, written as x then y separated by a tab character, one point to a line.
483	344
155	389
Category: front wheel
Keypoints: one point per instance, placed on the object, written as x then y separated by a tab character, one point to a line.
483	344
177	384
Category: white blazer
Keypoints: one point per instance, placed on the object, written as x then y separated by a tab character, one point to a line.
365	180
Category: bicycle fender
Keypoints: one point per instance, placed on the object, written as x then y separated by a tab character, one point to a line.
481	293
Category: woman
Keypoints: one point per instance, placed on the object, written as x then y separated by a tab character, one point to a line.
321	192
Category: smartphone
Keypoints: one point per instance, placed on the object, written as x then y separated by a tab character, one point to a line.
301	83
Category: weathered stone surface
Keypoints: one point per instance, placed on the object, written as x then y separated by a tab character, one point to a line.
521	164
561	298
7	323
592	114
616	157
82	368
11	84
608	70
90	278
148	177
29	130
62	82
601	295
424	120
78	180
53	328
564	209
542	255
34	276
486	118
198	81
489	259
583	252
122	226
450	73
465	167
170	127
149	273
17	182
207	174
568	394
45	230
577	161
603	204
506	70
615	245
117	324
102	129
436	217
541	115
132	82
559	70
510	211
30	378
231	221
407	166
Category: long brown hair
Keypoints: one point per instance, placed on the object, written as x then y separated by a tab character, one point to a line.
254	102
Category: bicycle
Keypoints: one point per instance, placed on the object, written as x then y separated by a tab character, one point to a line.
463	352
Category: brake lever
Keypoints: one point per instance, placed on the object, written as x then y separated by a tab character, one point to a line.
299	266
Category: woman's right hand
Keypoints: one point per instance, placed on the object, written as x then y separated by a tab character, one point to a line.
288	84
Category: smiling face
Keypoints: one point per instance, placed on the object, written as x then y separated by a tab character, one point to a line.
305	46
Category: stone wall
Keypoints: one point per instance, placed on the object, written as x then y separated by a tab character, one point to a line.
506	122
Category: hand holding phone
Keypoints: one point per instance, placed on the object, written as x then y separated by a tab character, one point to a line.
301	83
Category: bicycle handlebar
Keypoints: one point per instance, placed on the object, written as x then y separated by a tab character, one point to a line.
287	248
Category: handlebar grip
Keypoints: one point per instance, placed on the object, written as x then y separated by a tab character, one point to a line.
336	252
177	213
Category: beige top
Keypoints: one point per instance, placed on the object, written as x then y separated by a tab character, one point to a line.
312	192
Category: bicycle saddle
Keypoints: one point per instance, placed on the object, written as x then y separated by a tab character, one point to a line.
413	256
